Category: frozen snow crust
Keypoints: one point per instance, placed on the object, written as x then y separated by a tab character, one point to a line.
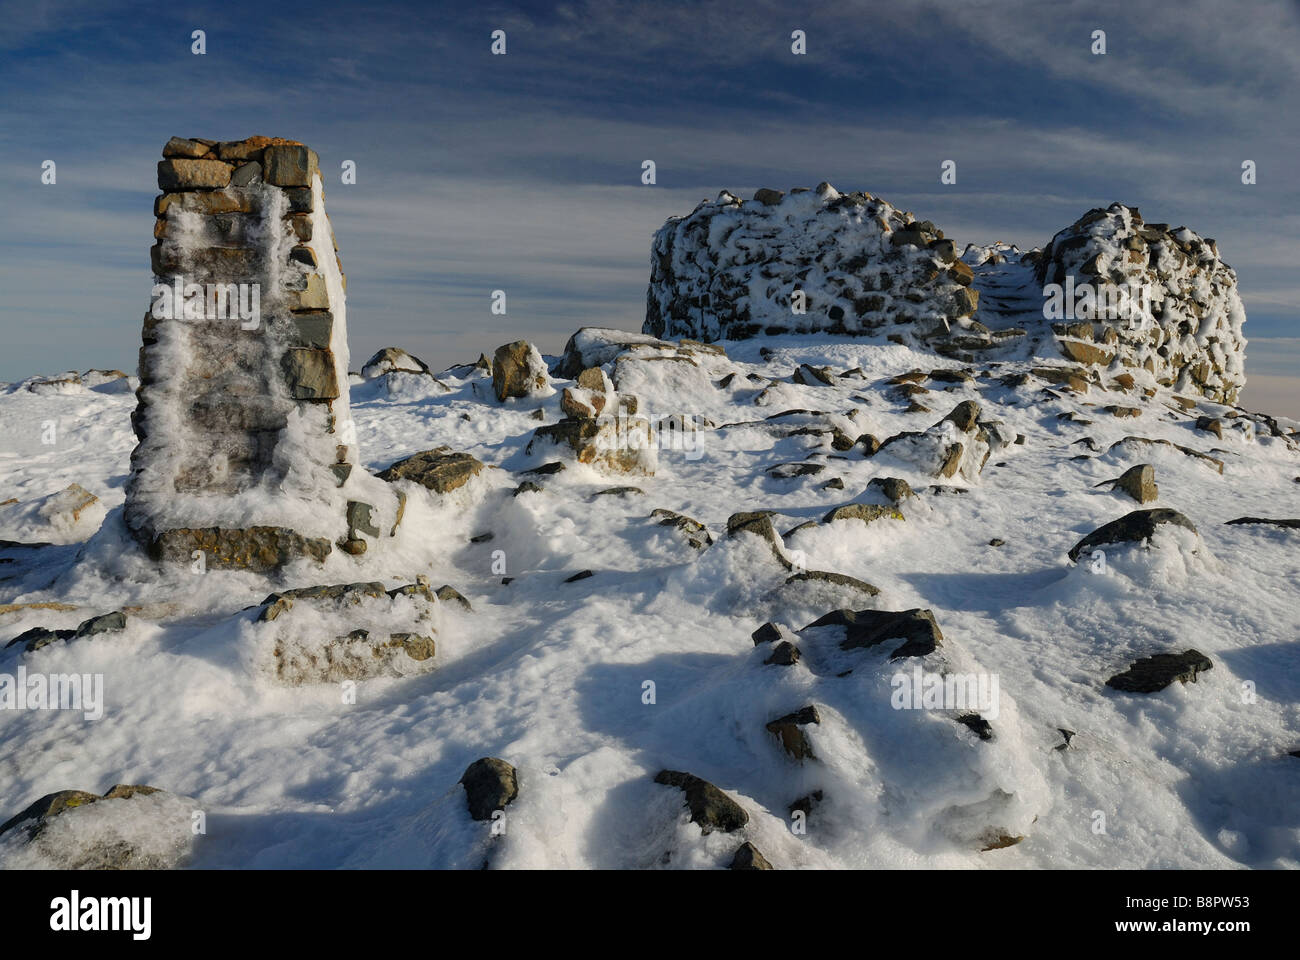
622	634
1131	296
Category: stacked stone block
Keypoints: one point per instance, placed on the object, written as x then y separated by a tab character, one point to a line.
246	447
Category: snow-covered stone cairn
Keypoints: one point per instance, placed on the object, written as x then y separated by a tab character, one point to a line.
1173	308
1110	293
811	261
247	452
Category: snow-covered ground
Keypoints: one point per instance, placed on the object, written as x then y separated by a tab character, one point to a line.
551	675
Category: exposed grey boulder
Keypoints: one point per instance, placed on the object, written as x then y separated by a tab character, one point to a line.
710	807
490	785
1154	673
1139	482
1134	527
917	629
747	857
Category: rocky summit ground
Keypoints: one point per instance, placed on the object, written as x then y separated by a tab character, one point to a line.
603	649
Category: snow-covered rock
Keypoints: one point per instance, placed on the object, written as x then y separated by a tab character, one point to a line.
70	515
130	827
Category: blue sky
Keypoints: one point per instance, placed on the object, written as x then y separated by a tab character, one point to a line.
522	172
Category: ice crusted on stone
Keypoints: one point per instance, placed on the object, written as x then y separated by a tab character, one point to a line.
127	829
244	422
1133	298
732	269
1187	333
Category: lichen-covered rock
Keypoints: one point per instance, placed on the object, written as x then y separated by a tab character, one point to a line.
695	533
441	469
866	512
346	631
617	444
1139	482
519	371
758	523
131	827
259	549
842	580
891	489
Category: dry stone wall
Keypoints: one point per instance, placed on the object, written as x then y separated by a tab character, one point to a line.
1180	318
733	269
1135	297
246	446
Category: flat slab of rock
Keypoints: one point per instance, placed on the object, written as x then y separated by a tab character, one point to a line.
1288	524
1152	674
441	469
917	629
259	549
710	807
836	579
866	512
1133	527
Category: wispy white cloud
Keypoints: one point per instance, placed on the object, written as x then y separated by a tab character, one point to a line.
477	173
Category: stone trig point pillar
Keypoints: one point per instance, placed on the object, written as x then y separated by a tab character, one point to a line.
246	449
